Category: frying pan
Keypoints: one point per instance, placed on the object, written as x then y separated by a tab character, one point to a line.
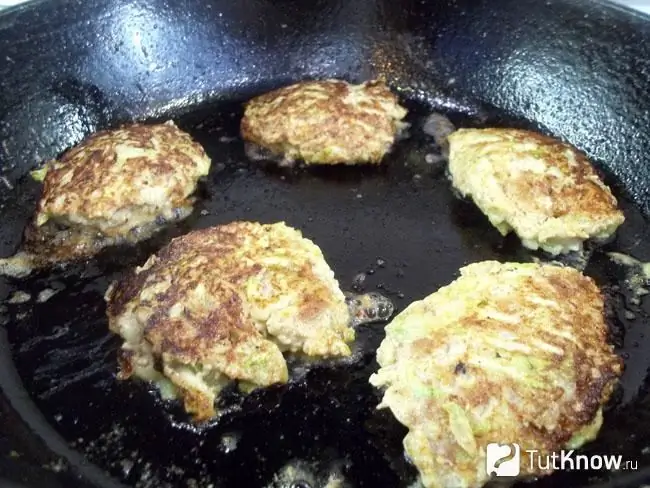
578	70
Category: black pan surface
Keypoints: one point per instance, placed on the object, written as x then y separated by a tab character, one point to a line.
397	229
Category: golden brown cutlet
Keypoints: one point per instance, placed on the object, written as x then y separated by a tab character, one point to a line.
116	186
222	304
545	191
325	122
508	353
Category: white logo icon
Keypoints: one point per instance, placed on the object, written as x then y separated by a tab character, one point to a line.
503	460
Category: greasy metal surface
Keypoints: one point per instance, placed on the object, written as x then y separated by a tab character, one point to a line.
400	227
71	67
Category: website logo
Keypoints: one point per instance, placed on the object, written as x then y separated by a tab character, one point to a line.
503	460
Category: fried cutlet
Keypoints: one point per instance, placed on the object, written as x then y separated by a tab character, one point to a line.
544	190
224	303
117	186
325	122
507	353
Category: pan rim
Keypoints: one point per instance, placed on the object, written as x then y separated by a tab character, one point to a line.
13	389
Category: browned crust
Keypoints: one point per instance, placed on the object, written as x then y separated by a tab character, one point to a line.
585	193
596	367
125	363
187	262
198	405
211	258
191	338
48	245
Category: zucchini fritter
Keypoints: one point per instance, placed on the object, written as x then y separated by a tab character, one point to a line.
508	353
222	304
325	122
116	186
544	190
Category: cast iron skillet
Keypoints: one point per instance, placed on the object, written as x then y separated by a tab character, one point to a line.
578	70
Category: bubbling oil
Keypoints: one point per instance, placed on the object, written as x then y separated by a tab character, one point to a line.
369	308
637	273
302	474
